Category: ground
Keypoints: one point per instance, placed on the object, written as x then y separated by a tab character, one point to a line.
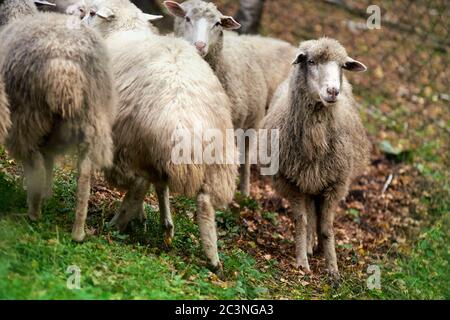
399	225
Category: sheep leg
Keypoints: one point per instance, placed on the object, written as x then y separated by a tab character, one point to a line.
34	170
162	191
132	205
300	210
328	208
312	224
83	193
207	225
245	171
318	207
49	162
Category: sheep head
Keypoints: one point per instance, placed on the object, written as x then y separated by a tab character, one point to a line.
320	63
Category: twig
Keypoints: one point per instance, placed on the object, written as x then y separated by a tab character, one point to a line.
387	183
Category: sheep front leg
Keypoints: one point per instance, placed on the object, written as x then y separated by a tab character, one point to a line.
49	162
162	191
311	225
207	225
300	211
83	193
132	206
328	208
244	173
34	170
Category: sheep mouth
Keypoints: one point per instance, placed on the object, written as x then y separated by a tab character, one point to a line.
202	53
329	101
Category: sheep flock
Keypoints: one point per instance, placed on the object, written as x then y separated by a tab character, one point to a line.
146	109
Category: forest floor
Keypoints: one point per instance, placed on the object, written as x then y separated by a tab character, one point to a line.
400	228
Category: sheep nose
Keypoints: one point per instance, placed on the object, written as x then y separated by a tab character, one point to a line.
333	92
200	45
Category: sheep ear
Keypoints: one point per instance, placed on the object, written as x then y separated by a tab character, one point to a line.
299	58
175	9
44	3
229	23
354	66
151	17
105	13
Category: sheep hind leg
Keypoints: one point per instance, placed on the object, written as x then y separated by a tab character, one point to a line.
49	163
299	209
162	191
34	170
208	234
83	193
132	206
244	185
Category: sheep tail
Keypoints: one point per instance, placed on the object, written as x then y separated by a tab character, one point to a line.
65	82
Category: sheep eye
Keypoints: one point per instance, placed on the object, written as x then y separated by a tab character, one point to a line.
188	19
218	24
81	10
92	13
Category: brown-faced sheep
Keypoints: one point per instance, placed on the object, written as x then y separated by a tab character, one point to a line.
163	86
250	68
323	144
61	95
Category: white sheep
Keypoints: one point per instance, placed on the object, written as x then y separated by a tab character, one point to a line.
323	144
249	67
163	85
61	95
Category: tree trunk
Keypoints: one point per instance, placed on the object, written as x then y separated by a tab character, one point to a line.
148	6
249	16
165	25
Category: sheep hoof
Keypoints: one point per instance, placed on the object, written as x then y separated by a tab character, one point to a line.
35	216
78	235
304	266
168	233
334	277
218	269
118	223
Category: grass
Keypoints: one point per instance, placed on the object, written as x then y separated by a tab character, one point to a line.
35	258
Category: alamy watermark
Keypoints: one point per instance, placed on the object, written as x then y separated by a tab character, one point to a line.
74	280
213	146
374	20
374	279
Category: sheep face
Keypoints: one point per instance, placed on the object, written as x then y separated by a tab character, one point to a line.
79	9
320	64
200	23
110	16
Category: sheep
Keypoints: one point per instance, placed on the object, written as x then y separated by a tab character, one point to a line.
18	9
163	85
61	95
322	143
249	67
5	121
